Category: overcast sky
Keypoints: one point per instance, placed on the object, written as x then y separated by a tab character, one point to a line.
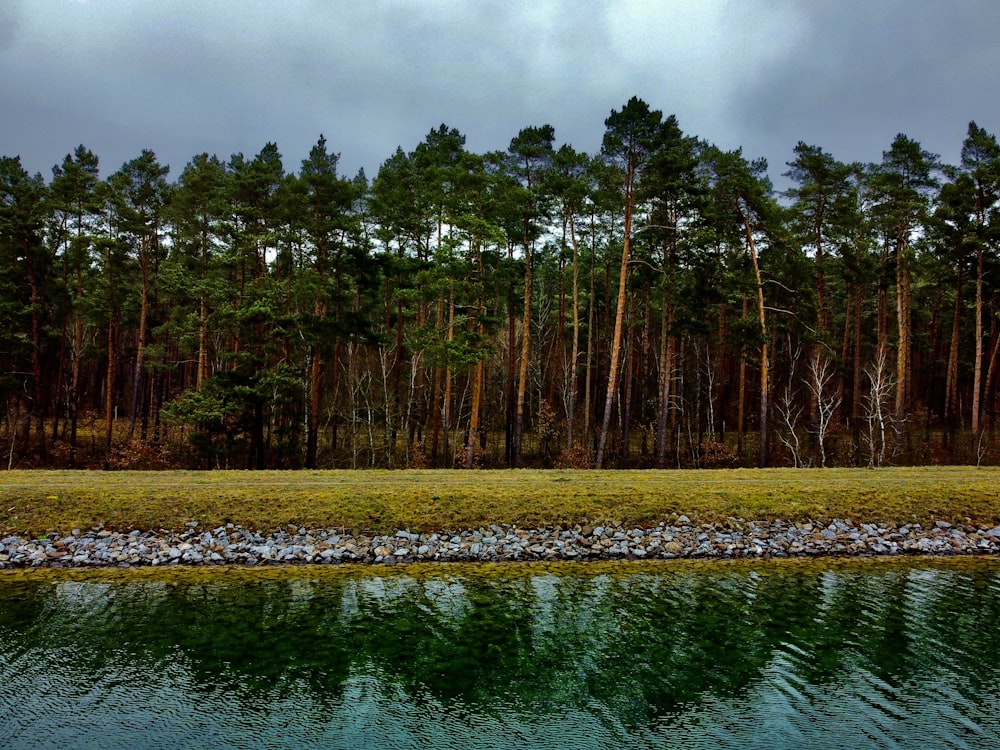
183	77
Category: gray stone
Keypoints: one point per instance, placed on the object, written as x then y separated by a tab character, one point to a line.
774	538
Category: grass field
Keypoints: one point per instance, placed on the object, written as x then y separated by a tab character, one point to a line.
37	502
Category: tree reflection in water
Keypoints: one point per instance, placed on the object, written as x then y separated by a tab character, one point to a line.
618	651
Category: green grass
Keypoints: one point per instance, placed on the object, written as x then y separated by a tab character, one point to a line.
37	502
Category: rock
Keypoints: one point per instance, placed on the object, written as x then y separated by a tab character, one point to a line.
733	538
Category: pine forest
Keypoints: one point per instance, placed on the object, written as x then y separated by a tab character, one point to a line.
658	304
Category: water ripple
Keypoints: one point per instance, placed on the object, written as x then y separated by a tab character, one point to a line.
899	656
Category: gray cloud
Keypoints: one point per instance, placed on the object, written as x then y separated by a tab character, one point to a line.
11	18
11	15
864	71
229	76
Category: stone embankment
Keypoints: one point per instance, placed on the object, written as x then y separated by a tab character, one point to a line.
735	538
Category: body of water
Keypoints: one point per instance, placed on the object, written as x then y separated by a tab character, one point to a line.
901	654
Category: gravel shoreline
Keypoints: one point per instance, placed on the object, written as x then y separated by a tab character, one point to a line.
734	538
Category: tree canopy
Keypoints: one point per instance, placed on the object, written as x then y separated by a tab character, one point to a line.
654	304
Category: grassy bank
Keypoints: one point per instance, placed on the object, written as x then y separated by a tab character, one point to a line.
378	501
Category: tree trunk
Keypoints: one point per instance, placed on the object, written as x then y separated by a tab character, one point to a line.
667	349
742	395
977	373
991	370
37	410
858	370
845	344
74	384
109	398
575	352
589	366
628	368
823	314
903	326
511	390
762	448
416	418
203	370
951	381
435	393
616	339
140	348
559	377
882	314
477	389
522	380
446	406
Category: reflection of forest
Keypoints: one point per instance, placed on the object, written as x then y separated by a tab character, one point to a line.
638	646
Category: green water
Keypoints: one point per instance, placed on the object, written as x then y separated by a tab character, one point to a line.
769	655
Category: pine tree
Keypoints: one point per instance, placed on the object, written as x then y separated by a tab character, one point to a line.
141	192
27	265
74	208
630	137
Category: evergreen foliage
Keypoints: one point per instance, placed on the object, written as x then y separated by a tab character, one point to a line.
653	305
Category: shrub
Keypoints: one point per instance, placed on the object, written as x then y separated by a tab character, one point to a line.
577	458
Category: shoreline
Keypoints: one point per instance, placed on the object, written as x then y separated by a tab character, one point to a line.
734	538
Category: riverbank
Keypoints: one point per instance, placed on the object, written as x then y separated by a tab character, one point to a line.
733	538
86	519
38	503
